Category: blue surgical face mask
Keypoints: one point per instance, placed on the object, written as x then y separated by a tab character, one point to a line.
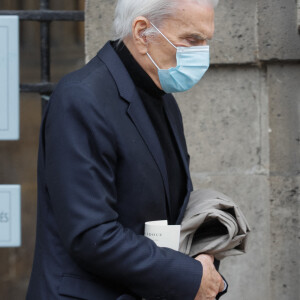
192	63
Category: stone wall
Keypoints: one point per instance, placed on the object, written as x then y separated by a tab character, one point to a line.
243	133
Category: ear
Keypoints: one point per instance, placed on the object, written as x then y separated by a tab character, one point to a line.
139	25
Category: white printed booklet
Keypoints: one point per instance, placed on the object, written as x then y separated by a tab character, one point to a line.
162	234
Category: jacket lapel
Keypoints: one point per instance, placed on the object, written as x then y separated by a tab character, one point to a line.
176	128
136	111
140	118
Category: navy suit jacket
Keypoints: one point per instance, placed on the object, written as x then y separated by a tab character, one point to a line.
101	176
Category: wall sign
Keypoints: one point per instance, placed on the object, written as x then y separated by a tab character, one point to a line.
10	216
9	78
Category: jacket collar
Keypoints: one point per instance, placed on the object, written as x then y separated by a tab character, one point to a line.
118	71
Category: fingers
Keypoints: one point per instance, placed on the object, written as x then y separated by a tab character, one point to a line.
212	282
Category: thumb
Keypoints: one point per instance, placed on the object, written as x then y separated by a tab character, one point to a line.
211	257
222	285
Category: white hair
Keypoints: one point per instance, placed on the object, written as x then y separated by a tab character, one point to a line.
155	11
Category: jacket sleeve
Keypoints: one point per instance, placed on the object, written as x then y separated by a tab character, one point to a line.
81	163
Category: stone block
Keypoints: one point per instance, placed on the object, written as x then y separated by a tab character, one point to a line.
226	121
235	33
285	237
278	34
284	95
248	275
98	25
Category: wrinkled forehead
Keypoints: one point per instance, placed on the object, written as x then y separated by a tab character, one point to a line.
192	18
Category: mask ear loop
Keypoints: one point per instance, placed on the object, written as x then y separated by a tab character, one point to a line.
153	61
163	35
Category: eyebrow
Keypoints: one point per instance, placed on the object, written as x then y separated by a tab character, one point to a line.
196	36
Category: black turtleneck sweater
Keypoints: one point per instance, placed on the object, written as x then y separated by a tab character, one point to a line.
152	98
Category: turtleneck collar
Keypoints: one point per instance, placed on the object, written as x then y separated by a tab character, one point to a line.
140	78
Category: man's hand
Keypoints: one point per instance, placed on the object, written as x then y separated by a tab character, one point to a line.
212	283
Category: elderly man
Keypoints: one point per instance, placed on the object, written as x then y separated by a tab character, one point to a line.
112	156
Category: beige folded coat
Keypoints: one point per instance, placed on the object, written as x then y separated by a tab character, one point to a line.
213	224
